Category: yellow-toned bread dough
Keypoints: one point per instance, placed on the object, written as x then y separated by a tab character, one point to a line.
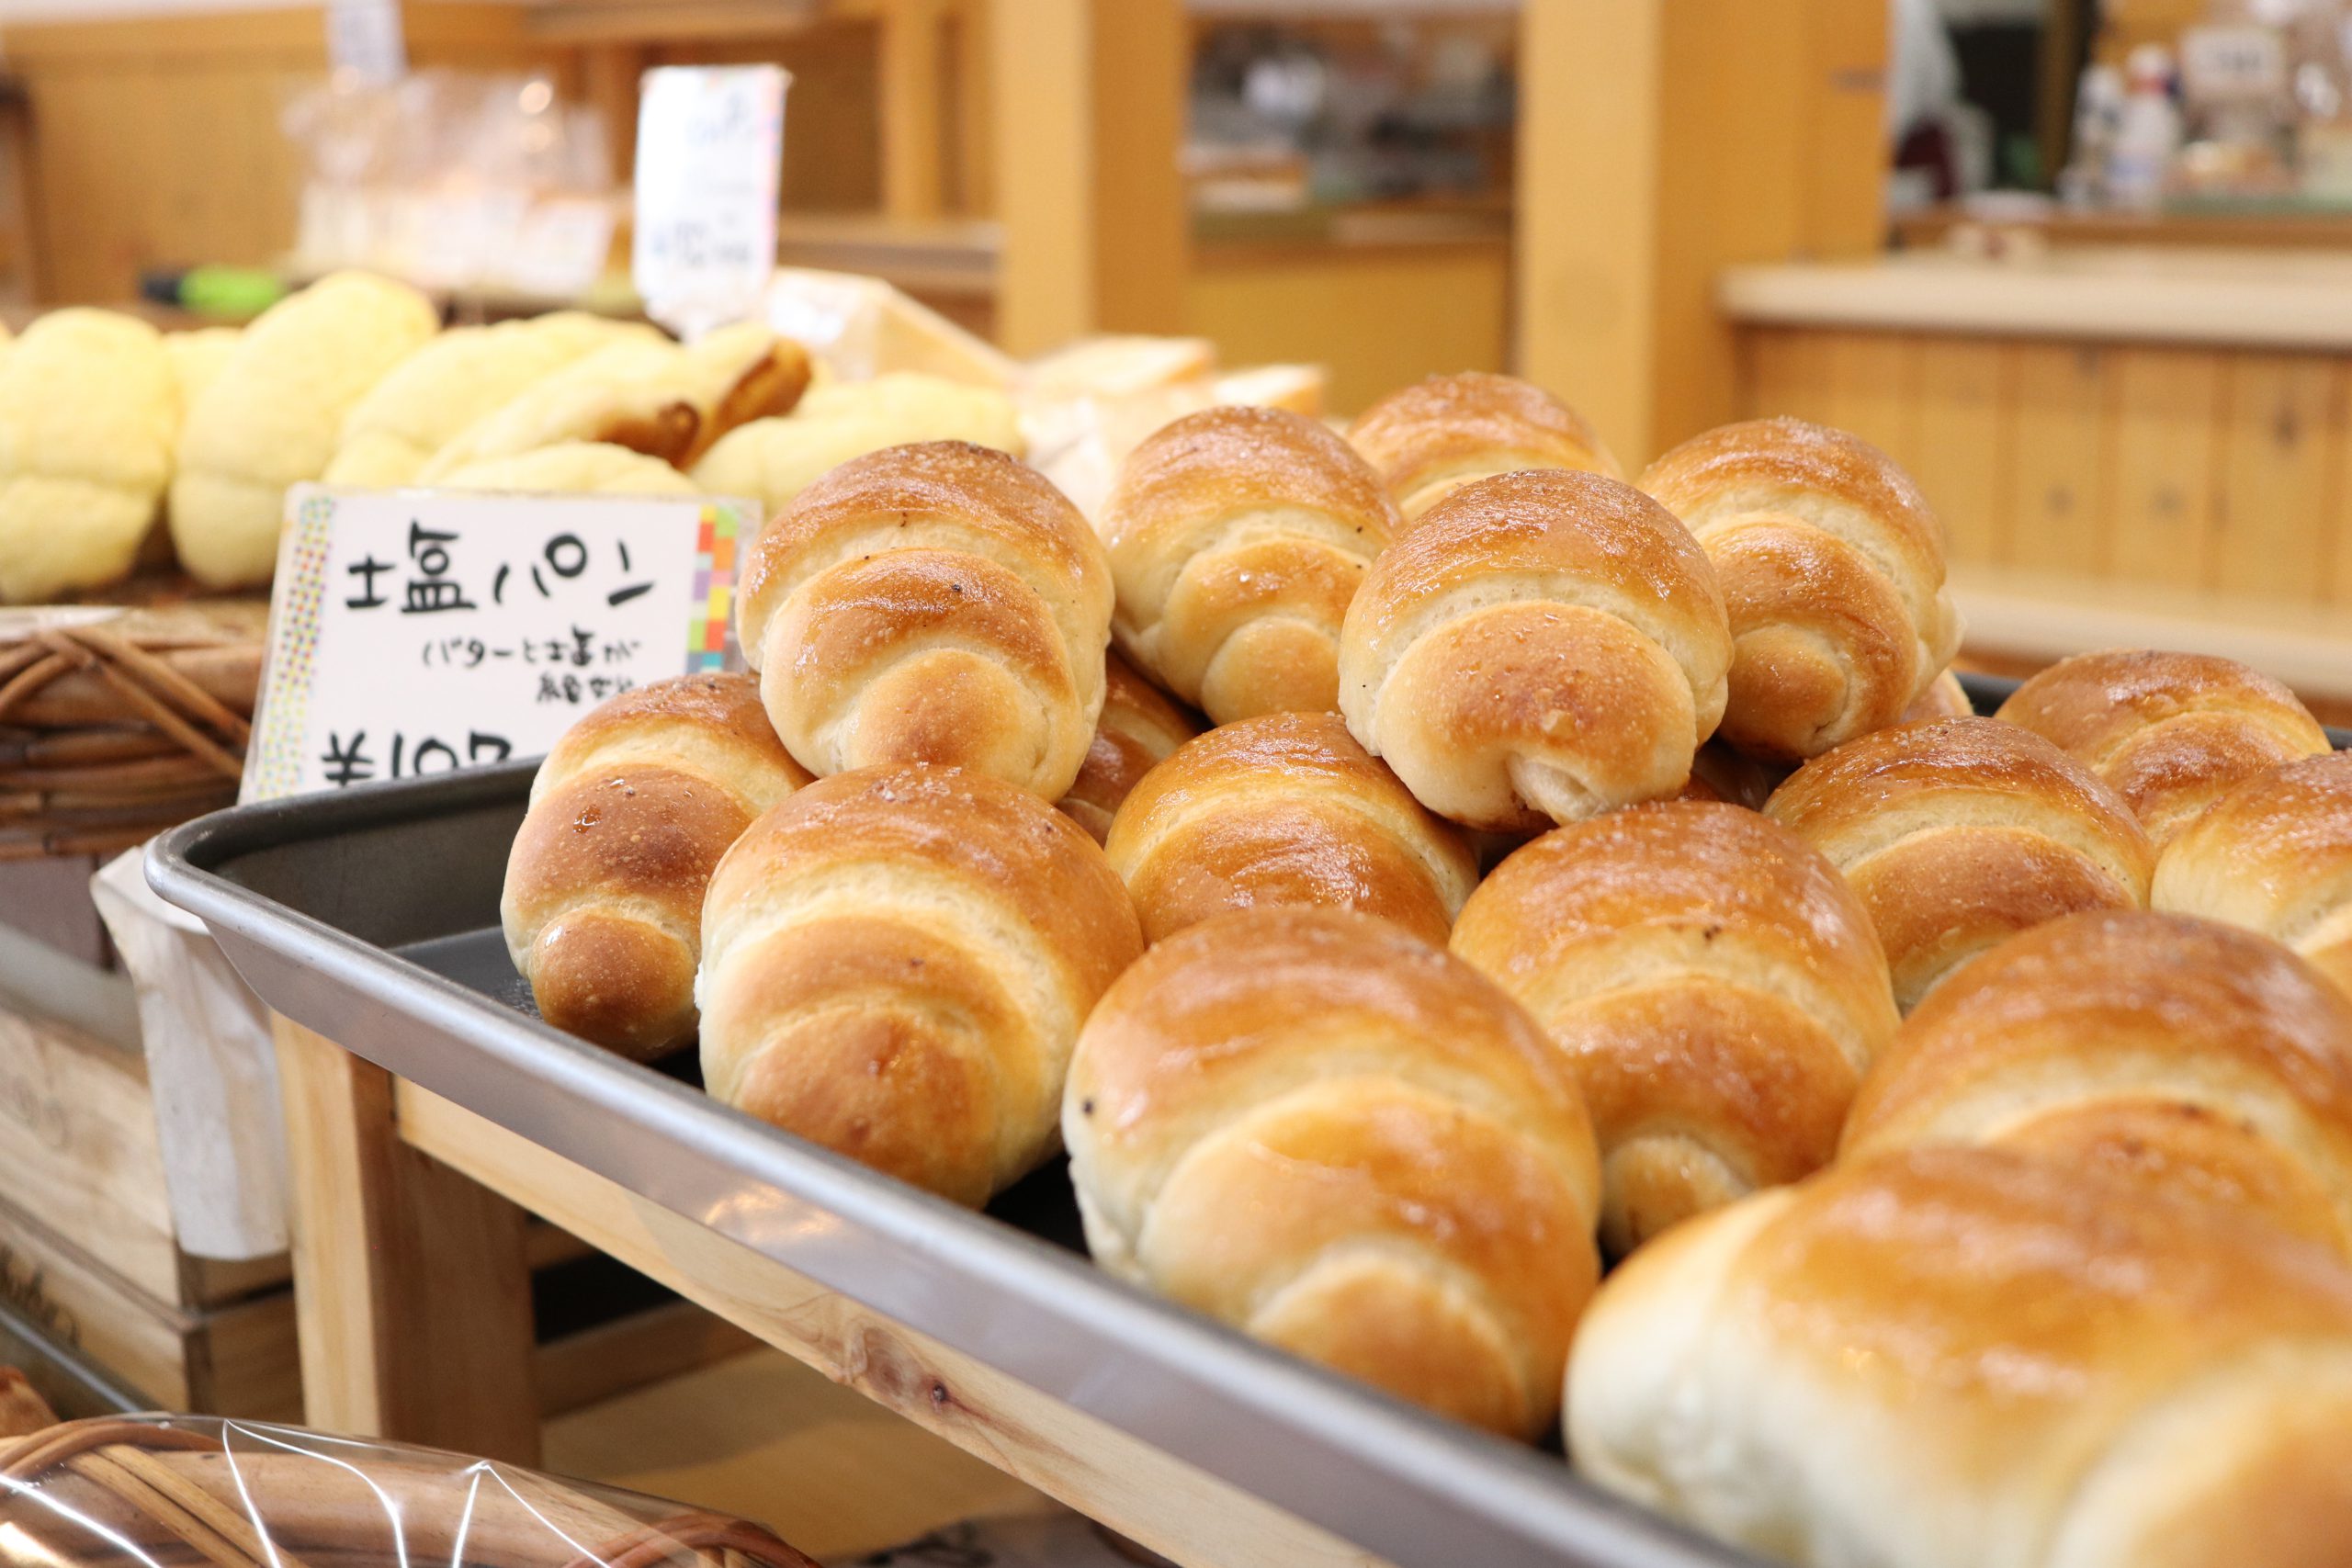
87	412
772	460
574	467
456	379
197	357
271	417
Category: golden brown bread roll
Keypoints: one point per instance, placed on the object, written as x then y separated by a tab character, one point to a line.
1548	644
1957	1357
1712	981
940	603
629	812
2188	1055
1961	831
1237	536
1833	571
1285	809
1138	729
2170	732
895	963
1431	438
1944	698
1321	1129
2274	855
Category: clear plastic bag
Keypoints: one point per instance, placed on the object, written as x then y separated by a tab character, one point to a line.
200	1492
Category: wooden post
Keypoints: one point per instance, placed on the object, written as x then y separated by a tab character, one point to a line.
1661	140
411	1295
913	100
1088	102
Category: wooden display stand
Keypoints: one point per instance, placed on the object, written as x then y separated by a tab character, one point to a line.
409	1273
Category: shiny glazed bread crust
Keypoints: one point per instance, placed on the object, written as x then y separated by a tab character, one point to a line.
1138	729
1952	1357
1833	574
1542	645
2190	1056
940	603
1428	440
896	962
1321	1129
630	811
2274	855
1285	809
1957	833
1237	536
1712	981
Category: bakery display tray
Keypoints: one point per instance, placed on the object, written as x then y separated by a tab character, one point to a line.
370	916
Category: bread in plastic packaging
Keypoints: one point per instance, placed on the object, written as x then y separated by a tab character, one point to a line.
456	379
88	409
149	1490
574	467
772	460
271	417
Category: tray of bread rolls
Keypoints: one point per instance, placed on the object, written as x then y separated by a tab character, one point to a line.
1519	1017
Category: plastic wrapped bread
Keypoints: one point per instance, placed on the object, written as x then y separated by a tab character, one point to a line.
88	411
271	417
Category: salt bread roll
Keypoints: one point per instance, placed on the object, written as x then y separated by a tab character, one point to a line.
1546	645
772	460
2170	732
1960	832
1714	985
88	414
1435	436
1237	536
940	603
895	963
2274	855
271	416
2191	1055
1138	729
581	468
1833	569
1956	1357
1344	1142
459	378
1285	809
629	813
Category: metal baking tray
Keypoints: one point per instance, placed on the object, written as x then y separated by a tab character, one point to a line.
371	917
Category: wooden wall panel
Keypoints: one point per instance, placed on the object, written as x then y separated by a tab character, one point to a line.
2058	475
1873	391
1961	441
2164	406
2281	466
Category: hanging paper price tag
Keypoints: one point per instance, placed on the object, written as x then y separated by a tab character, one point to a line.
709	157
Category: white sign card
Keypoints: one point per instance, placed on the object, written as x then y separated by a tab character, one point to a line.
709	160
417	632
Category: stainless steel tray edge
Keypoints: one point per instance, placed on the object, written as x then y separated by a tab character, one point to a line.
1402	1485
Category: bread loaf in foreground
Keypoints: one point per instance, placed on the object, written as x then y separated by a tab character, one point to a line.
896	962
1346	1143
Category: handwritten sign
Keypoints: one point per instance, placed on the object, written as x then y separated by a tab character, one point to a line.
709	157
415	632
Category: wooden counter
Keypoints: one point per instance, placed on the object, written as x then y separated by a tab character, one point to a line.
2160	436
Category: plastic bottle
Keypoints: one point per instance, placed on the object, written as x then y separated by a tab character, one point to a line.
2138	166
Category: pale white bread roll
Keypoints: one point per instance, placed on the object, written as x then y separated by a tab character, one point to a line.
1237	536
2274	855
895	963
1342	1140
1431	438
1541	645
1833	569
1285	809
1960	832
88	414
633	393
1712	982
271	416
459	378
772	460
1137	730
1944	698
629	813
198	355
572	468
2170	732
1957	1357
1301	388
2193	1056
939	602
